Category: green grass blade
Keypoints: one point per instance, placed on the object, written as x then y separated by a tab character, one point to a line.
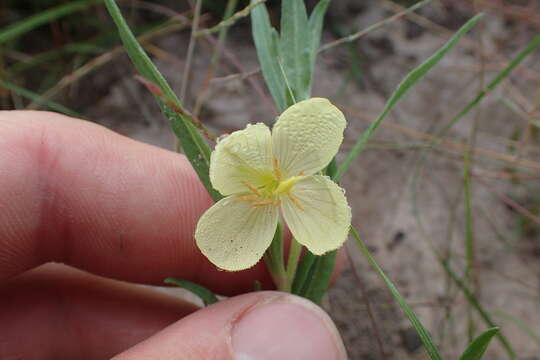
25	25
420	329
295	47
207	296
33	96
406	84
316	21
493	84
469	237
195	148
477	348
520	324
479	308
268	53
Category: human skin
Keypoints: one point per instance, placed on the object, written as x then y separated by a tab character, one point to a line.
84	214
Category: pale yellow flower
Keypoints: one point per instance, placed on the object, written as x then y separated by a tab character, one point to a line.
265	174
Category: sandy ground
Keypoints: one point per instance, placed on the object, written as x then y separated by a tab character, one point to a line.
402	198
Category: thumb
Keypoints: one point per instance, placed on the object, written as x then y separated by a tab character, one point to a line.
261	326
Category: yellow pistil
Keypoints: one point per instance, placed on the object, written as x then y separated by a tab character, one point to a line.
285	186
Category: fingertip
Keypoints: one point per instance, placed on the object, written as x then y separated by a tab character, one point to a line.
262	326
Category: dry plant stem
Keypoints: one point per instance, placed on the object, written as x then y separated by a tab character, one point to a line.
466	42
214	62
155	90
191	50
508	201
230	19
189	59
356	36
530	164
367	303
98	62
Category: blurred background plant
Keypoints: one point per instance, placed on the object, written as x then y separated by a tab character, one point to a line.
452	213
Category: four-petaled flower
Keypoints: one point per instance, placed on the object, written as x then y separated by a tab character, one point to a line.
263	174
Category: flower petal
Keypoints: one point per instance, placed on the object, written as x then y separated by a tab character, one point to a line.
234	235
307	136
317	214
243	156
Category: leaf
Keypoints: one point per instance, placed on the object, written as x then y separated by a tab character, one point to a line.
207	296
295	47
406	84
478	346
44	17
321	272
316	20
266	43
431	348
302	273
195	148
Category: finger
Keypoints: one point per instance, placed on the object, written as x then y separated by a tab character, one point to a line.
263	326
58	312
73	192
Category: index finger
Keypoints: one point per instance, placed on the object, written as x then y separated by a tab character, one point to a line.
74	192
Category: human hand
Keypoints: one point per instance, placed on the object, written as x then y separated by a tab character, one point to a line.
72	192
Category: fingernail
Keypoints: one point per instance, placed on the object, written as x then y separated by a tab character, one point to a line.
287	328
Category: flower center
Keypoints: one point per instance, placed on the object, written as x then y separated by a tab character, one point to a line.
274	188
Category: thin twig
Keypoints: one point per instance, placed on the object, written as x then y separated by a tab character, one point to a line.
373	27
230	20
98	62
191	50
155	90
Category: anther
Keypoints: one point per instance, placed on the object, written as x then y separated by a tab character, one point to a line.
277	172
263	203
252	188
295	201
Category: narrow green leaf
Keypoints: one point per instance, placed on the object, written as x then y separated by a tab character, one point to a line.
431	348
478	346
303	272
316	21
295	47
207	296
493	84
195	148
520	324
266	43
406	84
44	17
471	298
319	277
33	96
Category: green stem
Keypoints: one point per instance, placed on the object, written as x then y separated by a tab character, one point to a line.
274	260
292	262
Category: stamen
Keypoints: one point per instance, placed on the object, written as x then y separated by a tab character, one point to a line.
276	203
295	201
277	171
263	203
252	188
